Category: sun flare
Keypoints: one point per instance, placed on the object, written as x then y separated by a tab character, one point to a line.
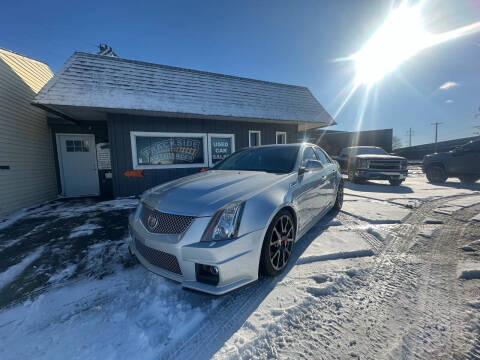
400	37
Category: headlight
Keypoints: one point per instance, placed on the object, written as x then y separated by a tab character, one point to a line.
362	163
225	223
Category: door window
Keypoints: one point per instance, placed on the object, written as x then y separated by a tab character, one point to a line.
281	137
308	154
321	156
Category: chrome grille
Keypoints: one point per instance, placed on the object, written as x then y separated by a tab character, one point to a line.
384	165
164	223
158	258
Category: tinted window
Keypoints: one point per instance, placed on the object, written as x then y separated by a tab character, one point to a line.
308	154
368	150
269	159
472	147
321	156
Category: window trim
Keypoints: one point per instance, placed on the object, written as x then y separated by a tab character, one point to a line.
133	143
259	137
280	133
209	145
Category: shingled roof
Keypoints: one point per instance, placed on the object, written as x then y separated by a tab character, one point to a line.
96	81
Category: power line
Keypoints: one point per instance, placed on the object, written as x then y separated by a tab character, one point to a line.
436	133
410	134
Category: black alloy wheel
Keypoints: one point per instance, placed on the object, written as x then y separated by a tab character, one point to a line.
278	244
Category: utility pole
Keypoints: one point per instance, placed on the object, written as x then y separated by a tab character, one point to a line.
410	134
436	133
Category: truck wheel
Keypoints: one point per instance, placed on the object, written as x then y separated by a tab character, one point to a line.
468	178
436	174
395	182
351	176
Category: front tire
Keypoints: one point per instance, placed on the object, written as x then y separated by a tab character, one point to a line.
351	176
436	174
278	244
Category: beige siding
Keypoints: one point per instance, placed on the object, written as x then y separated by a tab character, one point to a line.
25	141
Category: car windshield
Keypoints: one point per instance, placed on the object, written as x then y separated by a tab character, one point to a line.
368	150
270	159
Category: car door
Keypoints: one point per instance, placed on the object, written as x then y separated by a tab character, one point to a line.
466	160
308	192
330	174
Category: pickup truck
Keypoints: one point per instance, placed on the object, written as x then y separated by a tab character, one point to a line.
363	163
463	162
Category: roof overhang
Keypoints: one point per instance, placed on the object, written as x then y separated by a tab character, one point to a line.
77	114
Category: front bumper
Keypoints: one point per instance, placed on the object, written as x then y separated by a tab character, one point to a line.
237	260
372	174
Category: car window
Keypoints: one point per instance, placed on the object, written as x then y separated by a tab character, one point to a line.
472	147
322	156
270	159
308	154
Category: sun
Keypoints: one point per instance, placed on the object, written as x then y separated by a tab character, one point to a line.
400	37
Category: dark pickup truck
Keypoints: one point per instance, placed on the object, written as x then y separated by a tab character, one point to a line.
462	162
363	163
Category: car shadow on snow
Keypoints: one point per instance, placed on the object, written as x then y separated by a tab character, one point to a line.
459	185
378	187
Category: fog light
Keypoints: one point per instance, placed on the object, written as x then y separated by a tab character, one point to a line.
213	270
207	274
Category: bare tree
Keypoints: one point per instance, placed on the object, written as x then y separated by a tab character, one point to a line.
396	142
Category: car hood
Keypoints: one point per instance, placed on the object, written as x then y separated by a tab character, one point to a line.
204	193
379	157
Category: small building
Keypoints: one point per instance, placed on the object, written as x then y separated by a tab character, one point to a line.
27	168
120	126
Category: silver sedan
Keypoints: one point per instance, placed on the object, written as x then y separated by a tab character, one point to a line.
218	230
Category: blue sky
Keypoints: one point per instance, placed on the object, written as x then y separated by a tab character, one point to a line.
294	42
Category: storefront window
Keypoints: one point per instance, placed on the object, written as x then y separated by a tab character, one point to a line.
220	146
155	150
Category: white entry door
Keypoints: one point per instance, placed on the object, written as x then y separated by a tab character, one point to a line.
78	165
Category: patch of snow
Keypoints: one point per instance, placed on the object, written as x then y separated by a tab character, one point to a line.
13	271
475	218
447	209
468	270
377	212
465	201
83	230
63	274
11	219
472	247
332	245
130	315
428	231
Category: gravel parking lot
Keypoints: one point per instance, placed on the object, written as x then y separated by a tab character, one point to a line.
395	274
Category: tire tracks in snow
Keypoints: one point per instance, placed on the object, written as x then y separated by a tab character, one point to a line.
406	305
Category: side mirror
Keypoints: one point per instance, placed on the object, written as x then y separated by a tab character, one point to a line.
301	170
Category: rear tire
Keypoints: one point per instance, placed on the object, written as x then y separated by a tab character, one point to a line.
278	244
468	178
395	182
339	200
436	174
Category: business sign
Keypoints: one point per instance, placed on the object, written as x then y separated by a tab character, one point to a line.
169	150
220	147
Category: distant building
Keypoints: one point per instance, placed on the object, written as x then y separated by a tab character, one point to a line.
333	141
121	126
27	168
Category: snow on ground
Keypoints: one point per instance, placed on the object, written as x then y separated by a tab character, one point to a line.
356	286
13	271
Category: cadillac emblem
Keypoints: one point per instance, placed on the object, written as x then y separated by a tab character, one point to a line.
152	222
